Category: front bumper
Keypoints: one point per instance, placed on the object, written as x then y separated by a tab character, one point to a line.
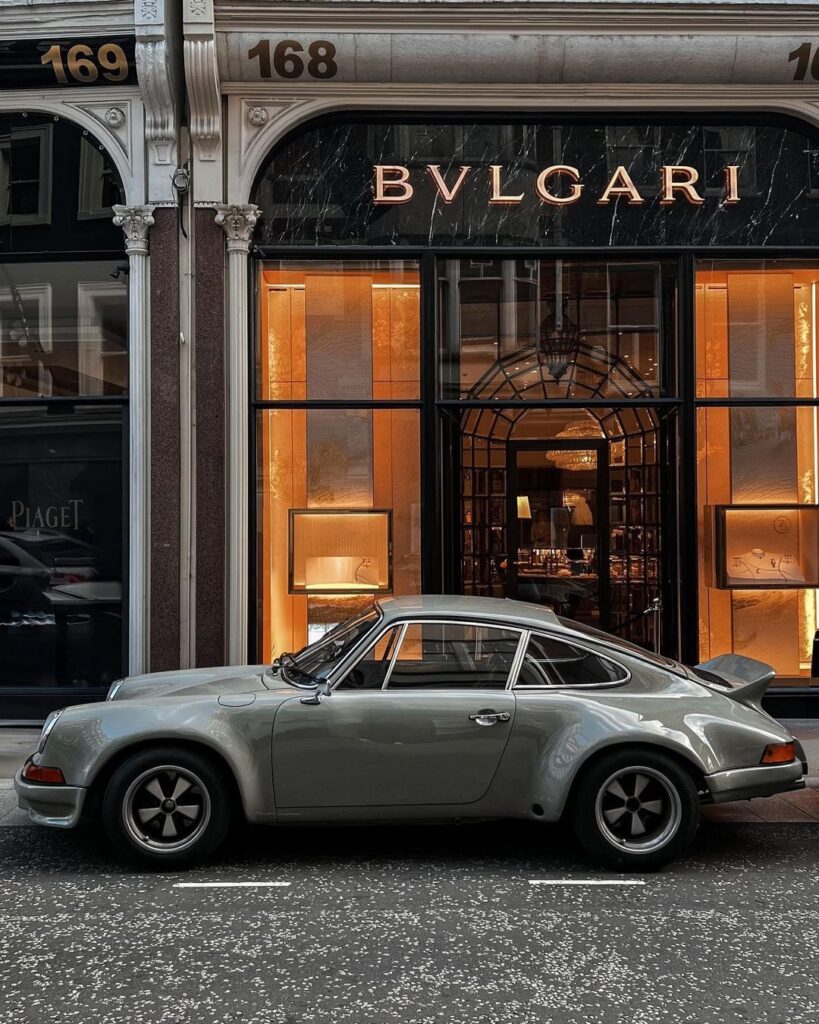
763	780
58	806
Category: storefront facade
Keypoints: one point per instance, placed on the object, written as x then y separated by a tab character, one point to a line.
510	304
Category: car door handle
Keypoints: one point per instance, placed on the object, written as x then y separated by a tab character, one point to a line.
489	717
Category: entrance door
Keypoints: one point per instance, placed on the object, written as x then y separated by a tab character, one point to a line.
557	516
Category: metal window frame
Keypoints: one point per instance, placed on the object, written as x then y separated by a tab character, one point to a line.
560	687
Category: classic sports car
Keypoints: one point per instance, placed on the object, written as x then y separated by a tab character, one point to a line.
422	708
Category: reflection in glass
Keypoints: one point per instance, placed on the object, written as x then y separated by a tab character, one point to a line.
61	554
63	329
552	329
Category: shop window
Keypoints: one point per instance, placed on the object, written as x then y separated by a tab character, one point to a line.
555	329
338	517
757	476
756	329
61	553
333	332
63	329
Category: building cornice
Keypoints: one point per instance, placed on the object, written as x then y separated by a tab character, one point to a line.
601	17
67	19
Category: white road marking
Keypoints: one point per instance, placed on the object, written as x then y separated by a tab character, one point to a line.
586	881
227	885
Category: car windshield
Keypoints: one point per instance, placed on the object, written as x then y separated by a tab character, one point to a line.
624	645
316	661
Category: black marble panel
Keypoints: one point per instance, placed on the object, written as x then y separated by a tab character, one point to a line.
317	188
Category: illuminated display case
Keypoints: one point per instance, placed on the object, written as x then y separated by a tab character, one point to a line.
765	547
340	551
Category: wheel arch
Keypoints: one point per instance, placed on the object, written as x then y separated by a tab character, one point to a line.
118	757
682	758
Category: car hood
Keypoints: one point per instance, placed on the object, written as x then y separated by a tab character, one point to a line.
194	682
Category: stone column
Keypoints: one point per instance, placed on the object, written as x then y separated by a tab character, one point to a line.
136	221
237	222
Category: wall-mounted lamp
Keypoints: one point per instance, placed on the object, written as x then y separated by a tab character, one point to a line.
524	511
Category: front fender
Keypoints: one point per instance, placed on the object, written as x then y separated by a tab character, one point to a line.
87	738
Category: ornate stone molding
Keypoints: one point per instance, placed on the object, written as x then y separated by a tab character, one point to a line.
202	78
136	222
291	106
237	221
155	77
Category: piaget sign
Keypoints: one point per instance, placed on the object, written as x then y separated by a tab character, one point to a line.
558	185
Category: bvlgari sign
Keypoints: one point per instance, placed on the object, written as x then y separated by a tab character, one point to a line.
558	185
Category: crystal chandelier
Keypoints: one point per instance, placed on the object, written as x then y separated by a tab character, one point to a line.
585	458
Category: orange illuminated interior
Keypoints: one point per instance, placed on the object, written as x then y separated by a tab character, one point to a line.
756	337
342	334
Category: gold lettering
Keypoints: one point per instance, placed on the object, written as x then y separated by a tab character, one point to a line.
400	181
550	197
498	198
447	194
732	195
621	184
669	186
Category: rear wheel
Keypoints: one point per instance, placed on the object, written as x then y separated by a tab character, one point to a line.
167	806
635	810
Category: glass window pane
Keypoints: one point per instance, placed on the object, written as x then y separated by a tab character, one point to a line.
63	329
455	656
550	662
756	329
61	546
344	461
555	329
764	458
371	670
339	330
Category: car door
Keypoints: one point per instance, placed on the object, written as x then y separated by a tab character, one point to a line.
422	719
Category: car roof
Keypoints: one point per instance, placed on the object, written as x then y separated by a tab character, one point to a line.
462	606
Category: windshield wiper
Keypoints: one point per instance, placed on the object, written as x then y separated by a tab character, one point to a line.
287	663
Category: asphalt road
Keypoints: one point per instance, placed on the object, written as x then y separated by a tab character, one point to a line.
417	924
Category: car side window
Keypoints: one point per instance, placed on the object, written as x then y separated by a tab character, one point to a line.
454	655
551	662
370	671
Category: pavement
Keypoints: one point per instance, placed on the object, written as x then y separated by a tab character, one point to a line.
492	922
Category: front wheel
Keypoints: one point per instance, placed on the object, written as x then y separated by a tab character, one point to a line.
635	810
166	806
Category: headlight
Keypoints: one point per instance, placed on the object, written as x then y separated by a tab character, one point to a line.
48	725
114	689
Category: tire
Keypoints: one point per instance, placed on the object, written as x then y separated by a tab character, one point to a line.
167	807
635	810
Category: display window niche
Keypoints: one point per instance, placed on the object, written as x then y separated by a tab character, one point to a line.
340	551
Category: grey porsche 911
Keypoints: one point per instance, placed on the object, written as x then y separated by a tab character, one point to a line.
421	708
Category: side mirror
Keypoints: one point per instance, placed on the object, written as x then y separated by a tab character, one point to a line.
322	690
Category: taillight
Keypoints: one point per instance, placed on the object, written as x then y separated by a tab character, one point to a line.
38	773
779	753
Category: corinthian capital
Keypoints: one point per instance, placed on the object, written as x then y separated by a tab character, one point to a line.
135	221
238	222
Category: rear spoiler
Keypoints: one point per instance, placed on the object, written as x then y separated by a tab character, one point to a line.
748	679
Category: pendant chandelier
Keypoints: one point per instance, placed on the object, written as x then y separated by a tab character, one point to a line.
559	338
580	458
